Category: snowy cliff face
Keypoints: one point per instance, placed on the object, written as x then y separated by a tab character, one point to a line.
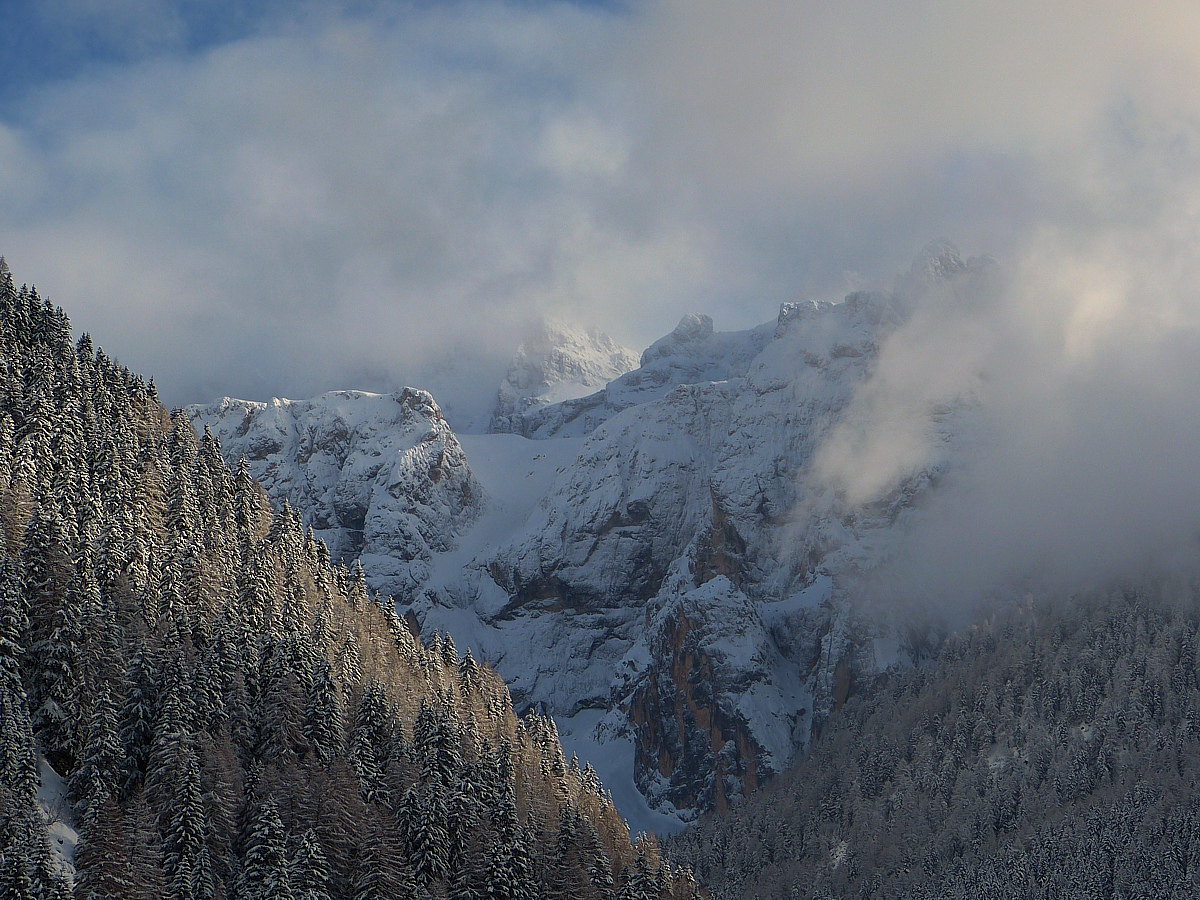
559	363
672	543
713	463
667	569
378	476
693	533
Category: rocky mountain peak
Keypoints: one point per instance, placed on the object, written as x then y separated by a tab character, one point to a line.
378	476
939	259
559	362
693	327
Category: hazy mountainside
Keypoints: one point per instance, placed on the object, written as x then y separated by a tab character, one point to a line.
684	571
692	353
663	545
557	364
379	477
232	715
1051	752
691	567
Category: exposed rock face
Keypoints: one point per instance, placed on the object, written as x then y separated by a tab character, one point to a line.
693	523
676	524
709	470
557	364
378	476
699	734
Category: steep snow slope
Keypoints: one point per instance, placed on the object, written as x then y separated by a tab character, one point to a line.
556	364
380	477
55	805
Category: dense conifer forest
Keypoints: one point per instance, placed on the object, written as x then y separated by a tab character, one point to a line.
1051	751
234	716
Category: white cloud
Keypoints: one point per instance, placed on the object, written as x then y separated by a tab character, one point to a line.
339	196
349	196
1083	368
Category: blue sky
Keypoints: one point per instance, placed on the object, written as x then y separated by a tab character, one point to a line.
283	198
54	41
61	40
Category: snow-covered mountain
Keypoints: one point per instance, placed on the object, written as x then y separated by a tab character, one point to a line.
666	575
692	353
670	546
379	477
559	363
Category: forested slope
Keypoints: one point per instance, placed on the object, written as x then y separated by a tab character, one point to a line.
235	716
1053	751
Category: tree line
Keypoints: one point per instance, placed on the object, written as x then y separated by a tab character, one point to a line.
1052	750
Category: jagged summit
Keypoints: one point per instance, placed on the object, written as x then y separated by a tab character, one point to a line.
693	353
692	328
939	259
560	362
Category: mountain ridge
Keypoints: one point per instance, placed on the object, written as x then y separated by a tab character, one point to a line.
686	569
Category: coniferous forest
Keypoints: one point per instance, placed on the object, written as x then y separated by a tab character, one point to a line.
1050	751
233	715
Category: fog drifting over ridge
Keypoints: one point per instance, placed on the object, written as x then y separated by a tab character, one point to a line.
1078	366
349	197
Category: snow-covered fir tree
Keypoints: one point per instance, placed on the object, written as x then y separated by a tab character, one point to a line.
1051	751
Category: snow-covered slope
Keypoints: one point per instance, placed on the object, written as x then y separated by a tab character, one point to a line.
55	806
667	575
558	363
380	477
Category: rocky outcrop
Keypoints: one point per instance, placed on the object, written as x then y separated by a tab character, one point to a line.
380	477
695	747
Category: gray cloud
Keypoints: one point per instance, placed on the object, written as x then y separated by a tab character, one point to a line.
1077	376
358	198
347	199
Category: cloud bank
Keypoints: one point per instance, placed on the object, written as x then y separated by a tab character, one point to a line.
315	197
1075	374
346	200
